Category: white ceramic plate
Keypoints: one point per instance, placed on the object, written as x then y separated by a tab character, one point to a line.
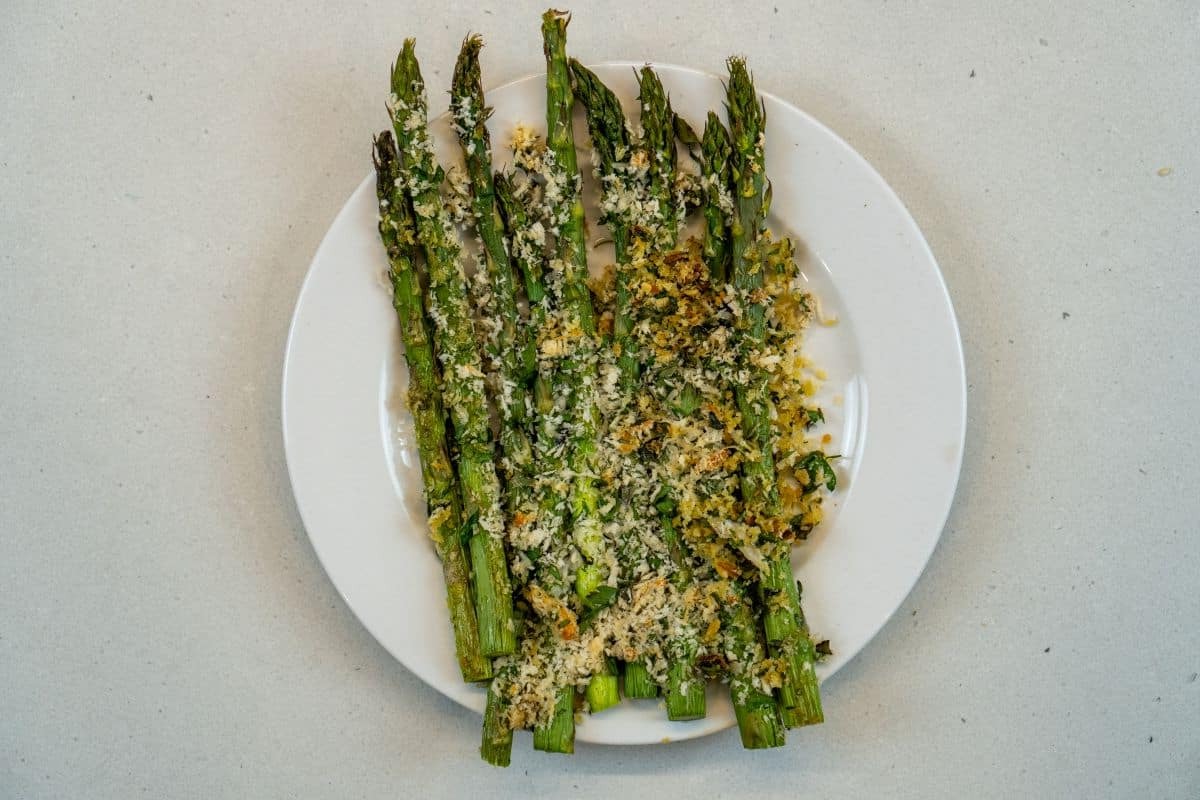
895	401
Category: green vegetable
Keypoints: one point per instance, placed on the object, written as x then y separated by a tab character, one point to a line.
463	386
662	509
512	349
714	164
757	712
397	229
816	466
559	735
579	368
798	695
496	748
658	127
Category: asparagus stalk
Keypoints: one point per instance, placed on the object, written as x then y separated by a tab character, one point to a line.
687	137
788	643
513	354
685	687
602	690
611	143
512	349
560	138
610	140
685	697
757	712
527	247
559	735
714	170
397	229
550	499
463	379
747	118
780	602
578	368
526	254
658	130
638	683
496	747
806	708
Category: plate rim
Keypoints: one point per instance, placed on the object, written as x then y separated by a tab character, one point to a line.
876	177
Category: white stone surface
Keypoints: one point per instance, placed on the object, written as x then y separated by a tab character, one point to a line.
166	171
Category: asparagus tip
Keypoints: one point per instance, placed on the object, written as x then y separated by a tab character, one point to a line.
472	42
383	152
406	72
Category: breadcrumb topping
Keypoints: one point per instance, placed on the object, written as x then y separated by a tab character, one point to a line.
672	537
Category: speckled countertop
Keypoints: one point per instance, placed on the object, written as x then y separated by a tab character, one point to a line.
166	171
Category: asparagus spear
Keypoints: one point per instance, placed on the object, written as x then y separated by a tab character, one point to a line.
526	254
463	380
685	696
685	688
757	712
781	608
611	143
718	204
398	232
747	118
527	243
610	140
560	138
549	498
602	690
548	502
496	747
578	368
638	683
687	137
512	350
658	130
559	735
806	708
